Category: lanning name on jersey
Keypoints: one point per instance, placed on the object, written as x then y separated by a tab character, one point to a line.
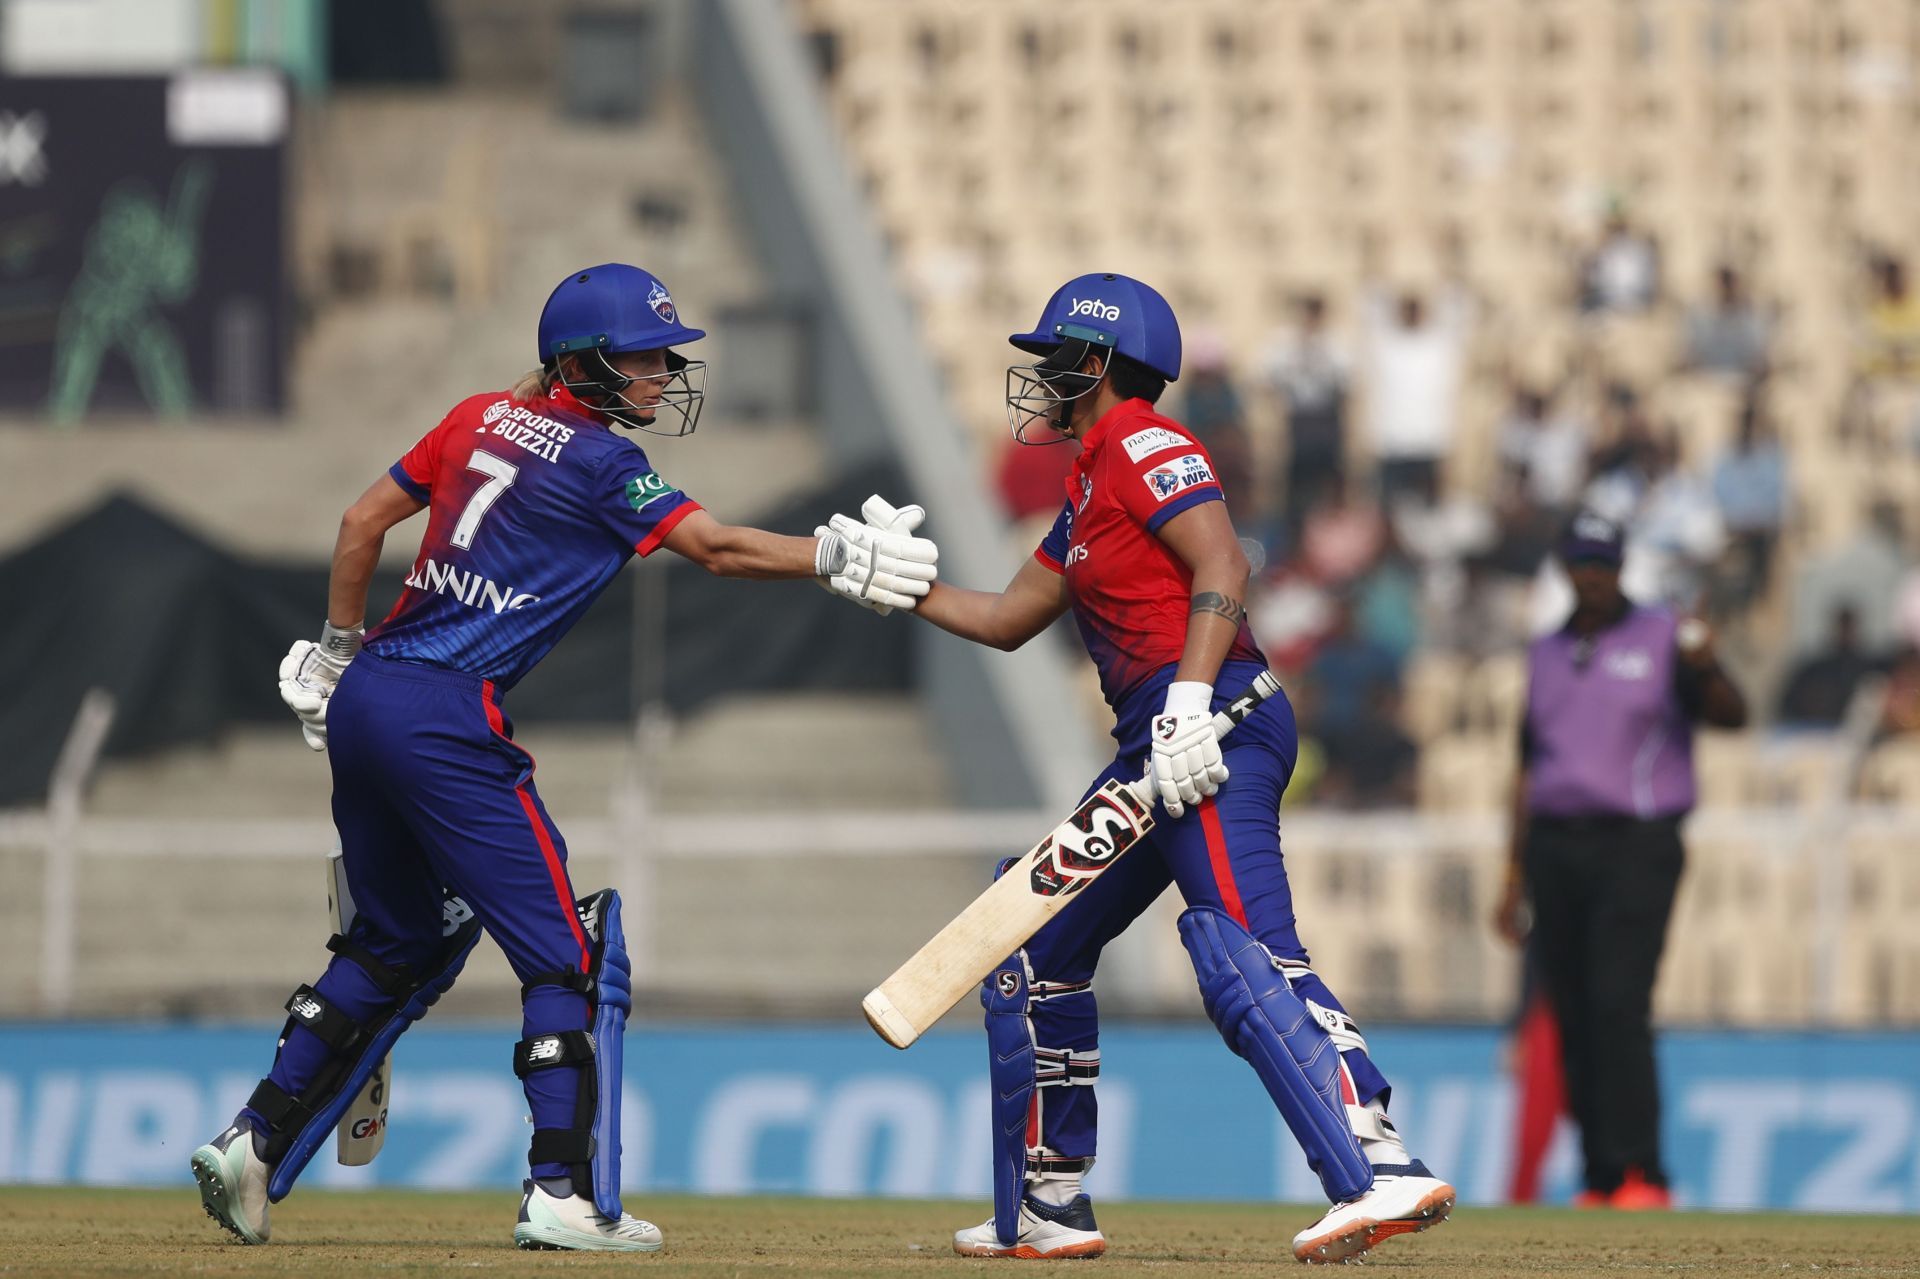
469	588
517	424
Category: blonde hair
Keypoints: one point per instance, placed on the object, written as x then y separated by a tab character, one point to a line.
532	385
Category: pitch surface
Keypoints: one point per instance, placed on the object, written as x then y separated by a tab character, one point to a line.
51	1231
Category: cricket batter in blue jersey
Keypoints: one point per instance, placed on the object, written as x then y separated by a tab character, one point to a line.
1144	554
534	503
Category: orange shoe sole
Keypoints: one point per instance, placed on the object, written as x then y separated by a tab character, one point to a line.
1363	1236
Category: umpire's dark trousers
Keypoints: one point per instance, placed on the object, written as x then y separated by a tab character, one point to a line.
1602	890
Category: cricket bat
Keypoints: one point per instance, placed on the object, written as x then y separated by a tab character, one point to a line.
1032	891
363	1128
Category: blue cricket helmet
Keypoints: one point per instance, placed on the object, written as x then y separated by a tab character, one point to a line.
612	307
615	308
1113	311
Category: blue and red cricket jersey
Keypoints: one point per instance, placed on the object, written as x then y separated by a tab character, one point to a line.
534	507
1131	594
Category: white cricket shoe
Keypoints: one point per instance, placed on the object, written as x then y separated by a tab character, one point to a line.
573	1224
1404	1198
233	1183
1046	1233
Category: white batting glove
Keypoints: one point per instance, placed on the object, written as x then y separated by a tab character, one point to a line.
1186	765
877	564
308	674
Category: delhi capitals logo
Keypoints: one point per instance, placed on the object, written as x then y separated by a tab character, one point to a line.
662	303
1163	480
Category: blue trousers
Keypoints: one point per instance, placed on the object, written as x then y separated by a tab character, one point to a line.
430	789
1224	853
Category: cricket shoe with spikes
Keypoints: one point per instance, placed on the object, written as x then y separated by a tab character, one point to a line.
1404	1198
233	1183
571	1223
1047	1232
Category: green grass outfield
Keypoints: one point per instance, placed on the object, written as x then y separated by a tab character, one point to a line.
47	1231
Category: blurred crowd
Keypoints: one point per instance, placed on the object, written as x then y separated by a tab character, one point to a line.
1334	447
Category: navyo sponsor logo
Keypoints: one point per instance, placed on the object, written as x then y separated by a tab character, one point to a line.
494	412
1095	308
469	588
645	489
1155	439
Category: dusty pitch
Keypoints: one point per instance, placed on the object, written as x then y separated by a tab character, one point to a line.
96	1232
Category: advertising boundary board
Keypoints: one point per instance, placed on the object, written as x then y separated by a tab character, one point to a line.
1794	1120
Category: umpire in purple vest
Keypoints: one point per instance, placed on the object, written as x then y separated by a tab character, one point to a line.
1606	775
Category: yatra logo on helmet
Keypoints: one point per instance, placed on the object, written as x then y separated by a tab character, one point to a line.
662	303
1096	309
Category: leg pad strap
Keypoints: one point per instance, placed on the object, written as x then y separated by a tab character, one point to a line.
297	1125
547	1052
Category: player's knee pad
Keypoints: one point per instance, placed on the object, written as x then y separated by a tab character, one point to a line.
591	1148
297	1124
1246	994
1018	1069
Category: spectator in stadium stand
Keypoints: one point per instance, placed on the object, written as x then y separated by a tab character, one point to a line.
1677	527
1865	573
1414	360
1344	671
1341	537
1821	687
1371	762
1545	452
1750	488
1901	712
1029	481
1606	775
1212	410
1309	370
1893	321
1730	335
1622	274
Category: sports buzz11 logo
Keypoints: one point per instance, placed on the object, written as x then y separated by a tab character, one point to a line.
1107	825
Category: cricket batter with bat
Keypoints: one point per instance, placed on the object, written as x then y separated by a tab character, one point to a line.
535	503
1144	554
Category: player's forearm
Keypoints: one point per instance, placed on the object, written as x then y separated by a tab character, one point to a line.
356	551
737	551
979	616
1216	609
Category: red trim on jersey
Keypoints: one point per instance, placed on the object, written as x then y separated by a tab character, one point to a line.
1347	1092
1040	553
561	887
556	870
1217	857
651	542
1033	1121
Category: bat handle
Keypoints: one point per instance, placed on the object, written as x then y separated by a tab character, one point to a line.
1228	718
1225	720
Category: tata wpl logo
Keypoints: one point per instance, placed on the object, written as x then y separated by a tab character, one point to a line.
23	158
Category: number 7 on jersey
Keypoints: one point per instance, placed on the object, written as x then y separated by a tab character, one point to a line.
500	477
